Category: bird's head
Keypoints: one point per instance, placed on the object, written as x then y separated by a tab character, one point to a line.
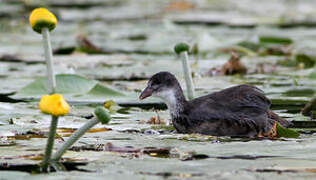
162	85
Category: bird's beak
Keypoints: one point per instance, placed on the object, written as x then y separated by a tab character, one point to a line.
146	93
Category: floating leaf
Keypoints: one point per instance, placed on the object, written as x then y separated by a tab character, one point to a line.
68	84
308	61
286	132
275	40
312	75
299	92
101	91
288	62
249	45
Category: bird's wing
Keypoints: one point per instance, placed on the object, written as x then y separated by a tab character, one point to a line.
235	99
243	105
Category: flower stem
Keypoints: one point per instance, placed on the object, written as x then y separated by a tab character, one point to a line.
49	60
187	74
50	142
73	138
52	88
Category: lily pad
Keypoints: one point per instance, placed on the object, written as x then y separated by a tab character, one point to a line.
286	132
275	40
68	84
308	61
298	92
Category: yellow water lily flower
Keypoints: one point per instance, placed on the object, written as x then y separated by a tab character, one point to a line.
40	18
54	104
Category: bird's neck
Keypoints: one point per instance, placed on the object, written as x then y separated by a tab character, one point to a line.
175	100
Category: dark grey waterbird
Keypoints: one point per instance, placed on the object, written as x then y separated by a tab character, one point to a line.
241	110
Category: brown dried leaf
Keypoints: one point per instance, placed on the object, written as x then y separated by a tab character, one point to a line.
180	6
233	66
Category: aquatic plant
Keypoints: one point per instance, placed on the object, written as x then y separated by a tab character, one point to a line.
182	49
42	21
102	116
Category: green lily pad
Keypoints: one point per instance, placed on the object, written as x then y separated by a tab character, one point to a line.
68	84
249	45
299	92
286	132
312	75
275	40
307	60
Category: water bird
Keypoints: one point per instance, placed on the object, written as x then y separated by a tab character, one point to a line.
241	111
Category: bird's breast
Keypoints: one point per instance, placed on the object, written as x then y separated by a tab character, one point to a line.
181	123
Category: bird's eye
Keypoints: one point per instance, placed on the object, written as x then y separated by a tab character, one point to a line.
156	82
